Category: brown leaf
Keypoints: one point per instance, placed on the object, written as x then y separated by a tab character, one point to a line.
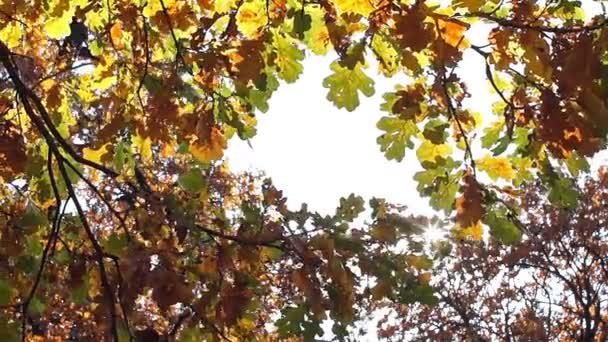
469	209
12	151
411	30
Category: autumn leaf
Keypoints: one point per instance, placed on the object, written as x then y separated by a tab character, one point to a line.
469	209
429	151
288	58
474	231
97	155
496	167
471	5
114	197
13	158
345	84
116	35
453	31
385	233
211	148
251	18
362	7
411	29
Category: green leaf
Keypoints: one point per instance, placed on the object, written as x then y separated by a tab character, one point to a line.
9	329
521	137
424	294
577	164
445	195
345	84
287	58
302	22
435	131
398	136
350	207
116	244
6	293
79	294
36	306
153	84
123	156
503	144
501	228
386	54
491	135
33	217
192	181
563	193
191	334
289	323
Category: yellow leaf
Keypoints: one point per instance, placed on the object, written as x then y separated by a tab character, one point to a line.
363	7
536	55
218	6
429	151
496	167
11	34
59	27
168	149
212	149
154	6
251	18
474	231
247	323
96	155
144	146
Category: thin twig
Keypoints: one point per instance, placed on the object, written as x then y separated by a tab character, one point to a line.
178	47
102	198
99	253
47	248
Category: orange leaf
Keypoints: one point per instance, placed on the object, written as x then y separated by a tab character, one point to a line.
116	35
452	31
212	148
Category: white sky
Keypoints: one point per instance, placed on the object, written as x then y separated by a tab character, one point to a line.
317	153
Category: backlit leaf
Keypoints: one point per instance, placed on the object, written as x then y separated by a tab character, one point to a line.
496	167
345	84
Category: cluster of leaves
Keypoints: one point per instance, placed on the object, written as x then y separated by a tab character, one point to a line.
551	286
98	98
211	255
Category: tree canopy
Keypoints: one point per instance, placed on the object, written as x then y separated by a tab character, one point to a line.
119	220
